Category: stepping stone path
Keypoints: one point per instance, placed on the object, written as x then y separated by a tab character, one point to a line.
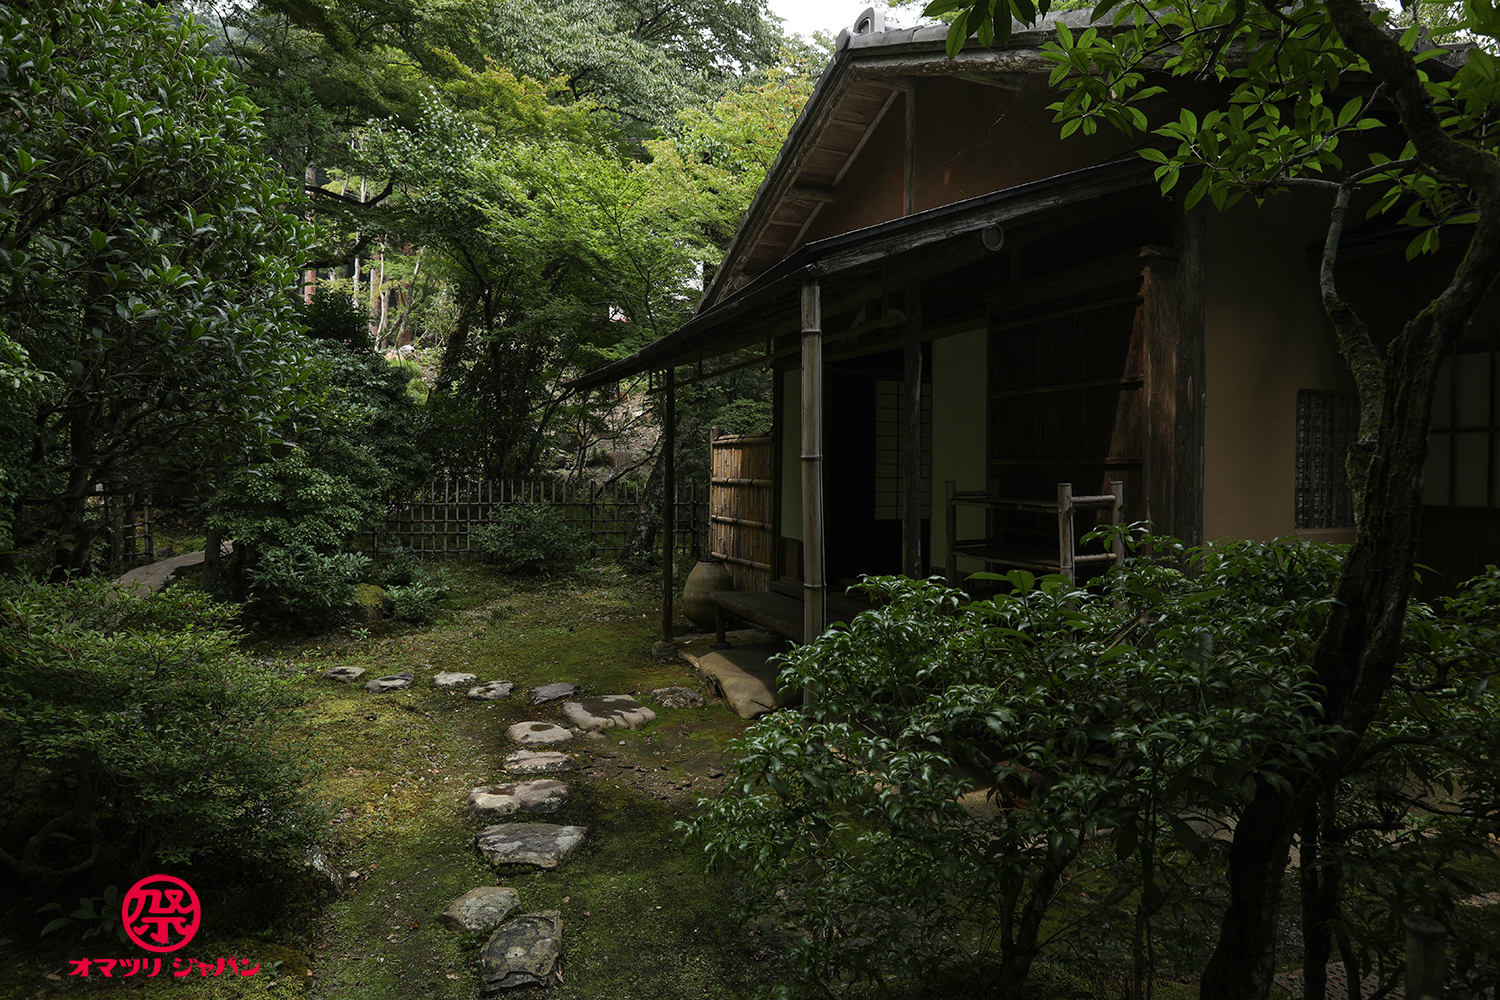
539	732
480	909
491	691
538	761
451	680
391	682
546	795
523	952
608	711
677	697
545	845
346	674
552	692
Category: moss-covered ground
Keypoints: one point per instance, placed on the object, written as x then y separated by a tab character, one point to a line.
641	918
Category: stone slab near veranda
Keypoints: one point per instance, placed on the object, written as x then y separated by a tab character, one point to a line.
608	711
542	845
522	952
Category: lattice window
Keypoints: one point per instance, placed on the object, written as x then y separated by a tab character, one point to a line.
1327	423
1463	453
890	449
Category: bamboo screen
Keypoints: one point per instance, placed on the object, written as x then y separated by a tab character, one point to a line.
438	520
740	499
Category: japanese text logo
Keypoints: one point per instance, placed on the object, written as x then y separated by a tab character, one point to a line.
161	913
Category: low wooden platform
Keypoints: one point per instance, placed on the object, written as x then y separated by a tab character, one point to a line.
777	611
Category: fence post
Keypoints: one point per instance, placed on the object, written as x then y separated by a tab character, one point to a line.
1426	941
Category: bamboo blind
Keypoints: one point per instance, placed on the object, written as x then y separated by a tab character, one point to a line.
740	532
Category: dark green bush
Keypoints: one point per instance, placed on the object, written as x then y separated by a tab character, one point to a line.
132	727
1114	732
304	585
528	538
400	567
415	602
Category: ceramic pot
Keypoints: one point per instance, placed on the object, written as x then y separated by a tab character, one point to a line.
705	578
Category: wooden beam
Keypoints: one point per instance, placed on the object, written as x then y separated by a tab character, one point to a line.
911	150
815	606
803	192
669	508
911	508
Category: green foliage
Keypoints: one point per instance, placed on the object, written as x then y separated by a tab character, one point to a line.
528	538
94	916
292	503
400	567
339	319
1137	719
145	252
416	601
302	584
137	736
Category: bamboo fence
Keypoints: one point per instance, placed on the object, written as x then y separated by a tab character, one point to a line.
439	519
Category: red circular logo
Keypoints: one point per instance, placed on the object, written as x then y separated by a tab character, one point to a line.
161	913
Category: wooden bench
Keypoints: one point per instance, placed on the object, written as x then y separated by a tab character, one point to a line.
1064	559
778	610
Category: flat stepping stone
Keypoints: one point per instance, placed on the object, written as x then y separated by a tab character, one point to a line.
677	697
539	732
545	845
608	711
523	952
347	675
480	909
545	795
538	761
552	692
390	682
491	691
452	680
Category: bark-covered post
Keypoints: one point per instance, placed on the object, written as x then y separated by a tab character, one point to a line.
669	502
814	606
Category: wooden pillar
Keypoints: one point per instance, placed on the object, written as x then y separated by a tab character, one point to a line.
911	508
815	596
1065	540
669	505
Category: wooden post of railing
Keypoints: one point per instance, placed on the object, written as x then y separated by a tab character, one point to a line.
1426	945
1117	544
1065	530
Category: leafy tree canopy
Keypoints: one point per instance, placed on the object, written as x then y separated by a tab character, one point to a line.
144	259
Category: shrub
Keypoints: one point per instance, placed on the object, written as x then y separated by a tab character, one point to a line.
415	602
528	538
132	727
1114	732
401	567
304	585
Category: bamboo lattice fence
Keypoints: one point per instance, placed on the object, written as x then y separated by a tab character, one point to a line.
437	522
